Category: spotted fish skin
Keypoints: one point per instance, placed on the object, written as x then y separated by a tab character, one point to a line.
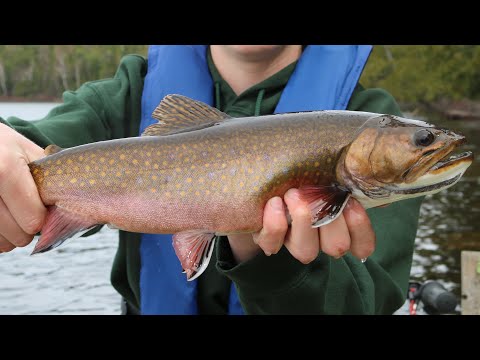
198	172
217	178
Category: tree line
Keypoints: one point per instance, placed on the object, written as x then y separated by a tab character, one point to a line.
412	73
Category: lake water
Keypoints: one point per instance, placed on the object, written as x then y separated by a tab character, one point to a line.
75	278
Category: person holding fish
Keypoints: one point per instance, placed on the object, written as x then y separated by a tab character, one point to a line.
180	143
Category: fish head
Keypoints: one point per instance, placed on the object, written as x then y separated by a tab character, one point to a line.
394	158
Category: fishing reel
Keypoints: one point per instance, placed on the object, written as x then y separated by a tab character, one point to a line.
434	297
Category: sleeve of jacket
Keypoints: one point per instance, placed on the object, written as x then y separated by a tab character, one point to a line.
279	284
98	110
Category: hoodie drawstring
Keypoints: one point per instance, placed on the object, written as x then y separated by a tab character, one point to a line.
259	102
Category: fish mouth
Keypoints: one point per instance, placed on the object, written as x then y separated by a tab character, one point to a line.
443	174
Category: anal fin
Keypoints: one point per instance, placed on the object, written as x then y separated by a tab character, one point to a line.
326	202
60	225
194	250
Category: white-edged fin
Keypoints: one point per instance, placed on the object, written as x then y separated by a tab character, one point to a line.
60	225
194	250
326	202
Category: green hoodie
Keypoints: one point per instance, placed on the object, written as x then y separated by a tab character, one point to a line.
279	284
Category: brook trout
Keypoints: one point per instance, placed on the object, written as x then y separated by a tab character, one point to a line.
198	172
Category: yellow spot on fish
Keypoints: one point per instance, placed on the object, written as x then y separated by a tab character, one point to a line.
60	183
59	171
177	186
122	156
329	160
92	182
255	188
102	159
224	146
241	184
164	163
299	165
167	193
182	193
225	189
111	162
159	153
35	171
184	147
124	185
93	155
80	158
73	181
224	165
207	192
201	180
178	169
219	155
153	190
192	167
69	161
149	153
87	167
207	164
147	163
127	172
189	180
155	166
135	161
118	174
250	171
223	177
82	184
317	164
49	183
58	162
76	168
46	173
154	177
197	193
257	177
103	174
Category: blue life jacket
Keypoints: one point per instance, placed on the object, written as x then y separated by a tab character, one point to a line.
324	79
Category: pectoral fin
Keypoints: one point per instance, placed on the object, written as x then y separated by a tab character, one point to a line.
194	249
326	202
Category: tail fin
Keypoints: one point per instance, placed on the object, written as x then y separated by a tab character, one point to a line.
60	225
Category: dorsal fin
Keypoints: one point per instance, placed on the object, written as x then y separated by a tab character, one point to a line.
52	149
177	113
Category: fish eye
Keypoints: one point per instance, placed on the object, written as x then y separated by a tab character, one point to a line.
423	138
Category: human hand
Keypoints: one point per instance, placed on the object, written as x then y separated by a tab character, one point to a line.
351	231
22	212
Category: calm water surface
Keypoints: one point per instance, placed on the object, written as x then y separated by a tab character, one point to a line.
74	279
